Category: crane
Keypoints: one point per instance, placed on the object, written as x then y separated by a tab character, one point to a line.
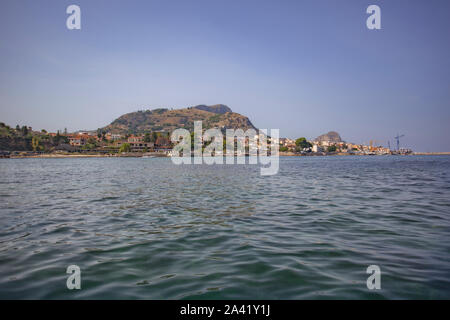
398	140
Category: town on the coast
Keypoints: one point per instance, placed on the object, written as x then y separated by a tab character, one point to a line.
41	143
148	133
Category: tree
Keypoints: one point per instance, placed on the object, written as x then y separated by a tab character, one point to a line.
35	143
88	146
56	139
154	136
302	143
224	144
192	141
92	142
147	137
284	149
126	147
331	148
24	130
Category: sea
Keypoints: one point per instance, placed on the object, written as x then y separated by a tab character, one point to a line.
145	228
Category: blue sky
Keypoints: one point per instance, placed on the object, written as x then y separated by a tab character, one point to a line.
305	67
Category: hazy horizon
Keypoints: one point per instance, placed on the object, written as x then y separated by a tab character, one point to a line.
305	67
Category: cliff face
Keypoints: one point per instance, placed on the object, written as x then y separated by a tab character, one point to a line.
331	136
216	116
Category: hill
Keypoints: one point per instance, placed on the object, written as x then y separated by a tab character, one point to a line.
216	116
331	136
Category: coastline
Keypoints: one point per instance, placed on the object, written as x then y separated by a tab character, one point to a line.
98	155
163	155
431	153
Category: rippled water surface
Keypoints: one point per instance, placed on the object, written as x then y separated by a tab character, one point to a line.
147	229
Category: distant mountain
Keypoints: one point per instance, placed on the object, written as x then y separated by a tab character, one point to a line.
331	136
215	116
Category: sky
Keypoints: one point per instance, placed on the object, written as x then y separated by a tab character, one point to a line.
304	67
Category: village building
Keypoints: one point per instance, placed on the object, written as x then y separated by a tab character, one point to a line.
316	148
113	136
137	143
78	140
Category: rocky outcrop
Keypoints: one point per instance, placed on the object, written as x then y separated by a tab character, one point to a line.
331	136
217	108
